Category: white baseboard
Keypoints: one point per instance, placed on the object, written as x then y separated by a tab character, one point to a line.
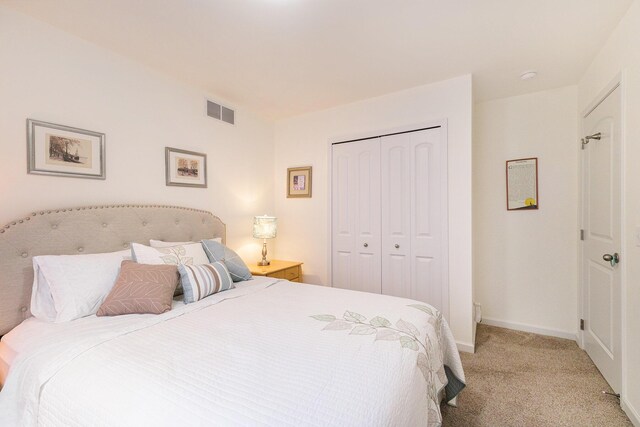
465	347
530	328
631	412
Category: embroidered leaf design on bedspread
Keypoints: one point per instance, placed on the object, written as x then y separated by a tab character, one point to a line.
424	308
429	358
363	330
324	317
442	376
354	317
338	325
387	335
408	342
407	327
380	322
423	365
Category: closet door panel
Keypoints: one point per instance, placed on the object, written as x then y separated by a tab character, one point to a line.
356	216
427	222
342	277
424	276
413	227
397	281
396	216
343	220
368	216
368	197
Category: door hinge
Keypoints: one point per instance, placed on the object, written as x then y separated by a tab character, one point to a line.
581	234
582	324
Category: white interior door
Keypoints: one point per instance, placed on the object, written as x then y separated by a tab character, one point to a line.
602	237
356	215
414	212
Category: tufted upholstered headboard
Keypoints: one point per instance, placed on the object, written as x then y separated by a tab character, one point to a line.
86	230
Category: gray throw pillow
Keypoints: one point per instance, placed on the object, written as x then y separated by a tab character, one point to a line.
217	252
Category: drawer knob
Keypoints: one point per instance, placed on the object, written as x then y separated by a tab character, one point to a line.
366	245
397	246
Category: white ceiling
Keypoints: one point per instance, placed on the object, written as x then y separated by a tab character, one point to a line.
285	57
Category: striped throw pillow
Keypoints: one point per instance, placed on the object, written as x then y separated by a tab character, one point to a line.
200	281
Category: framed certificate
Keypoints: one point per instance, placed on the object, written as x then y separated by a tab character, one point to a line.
522	184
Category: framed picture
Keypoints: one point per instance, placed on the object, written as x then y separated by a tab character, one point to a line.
299	182
64	151
522	184
185	168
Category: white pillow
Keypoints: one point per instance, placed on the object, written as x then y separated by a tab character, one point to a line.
191	253
68	287
42	306
163	244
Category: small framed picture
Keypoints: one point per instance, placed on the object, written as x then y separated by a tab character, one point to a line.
299	182
185	168
522	184
59	150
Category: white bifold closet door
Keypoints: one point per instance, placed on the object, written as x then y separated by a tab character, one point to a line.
413	222
389	228
356	216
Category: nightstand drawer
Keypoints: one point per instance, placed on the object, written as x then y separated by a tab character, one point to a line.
292	273
287	270
277	274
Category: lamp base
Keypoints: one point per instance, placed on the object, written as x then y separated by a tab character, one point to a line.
264	254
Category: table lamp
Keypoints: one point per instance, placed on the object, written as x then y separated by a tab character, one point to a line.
264	227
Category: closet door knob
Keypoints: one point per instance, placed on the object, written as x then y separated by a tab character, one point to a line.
397	246
366	245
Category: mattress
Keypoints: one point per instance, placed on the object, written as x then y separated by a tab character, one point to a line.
270	352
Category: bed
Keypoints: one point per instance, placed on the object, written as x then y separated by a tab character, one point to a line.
268	352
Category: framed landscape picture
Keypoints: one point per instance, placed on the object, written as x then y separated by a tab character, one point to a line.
299	182
185	168
65	151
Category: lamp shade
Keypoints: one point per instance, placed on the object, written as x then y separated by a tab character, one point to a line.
265	227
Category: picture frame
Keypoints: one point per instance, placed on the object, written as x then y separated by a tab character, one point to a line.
299	182
59	150
185	168
522	184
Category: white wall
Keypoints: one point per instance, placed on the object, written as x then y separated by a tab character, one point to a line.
49	75
621	54
303	232
525	262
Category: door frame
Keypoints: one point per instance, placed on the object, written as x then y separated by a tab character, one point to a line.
617	82
443	124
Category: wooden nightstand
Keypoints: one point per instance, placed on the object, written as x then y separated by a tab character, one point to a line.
288	270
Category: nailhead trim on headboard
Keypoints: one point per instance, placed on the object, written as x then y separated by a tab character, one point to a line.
20	221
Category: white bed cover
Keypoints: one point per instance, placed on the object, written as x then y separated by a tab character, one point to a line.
7	354
269	352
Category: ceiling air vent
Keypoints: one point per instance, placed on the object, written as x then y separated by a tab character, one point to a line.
220	112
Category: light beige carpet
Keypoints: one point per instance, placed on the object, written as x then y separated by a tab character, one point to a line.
528	380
